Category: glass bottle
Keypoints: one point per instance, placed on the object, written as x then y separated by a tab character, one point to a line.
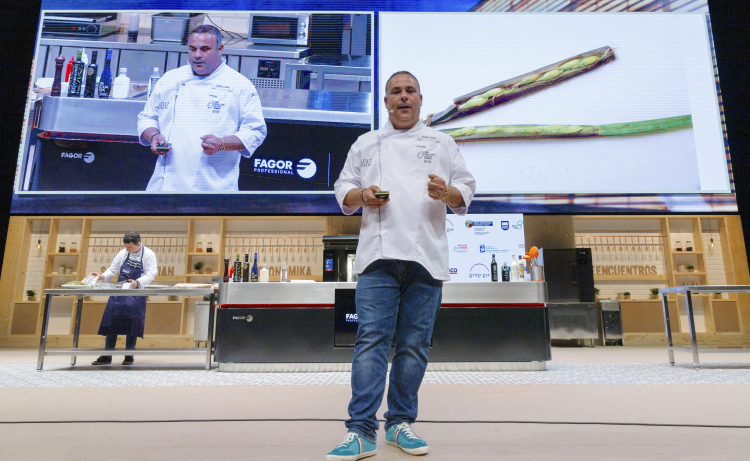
678	246
61	247
73	247
689	246
105	81
76	76
210	248
199	247
91	72
237	274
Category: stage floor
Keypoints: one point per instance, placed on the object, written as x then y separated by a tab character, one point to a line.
635	400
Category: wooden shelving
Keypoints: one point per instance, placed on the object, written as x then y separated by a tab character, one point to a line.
687	253
688	274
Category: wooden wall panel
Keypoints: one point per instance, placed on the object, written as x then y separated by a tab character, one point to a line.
647	317
24	319
13	270
726	317
741	273
343	225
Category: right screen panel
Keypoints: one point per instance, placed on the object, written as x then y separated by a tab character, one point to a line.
571	111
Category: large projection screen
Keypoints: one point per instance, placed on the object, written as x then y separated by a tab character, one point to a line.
641	130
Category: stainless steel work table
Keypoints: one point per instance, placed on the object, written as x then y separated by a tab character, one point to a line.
688	291
329	64
74	351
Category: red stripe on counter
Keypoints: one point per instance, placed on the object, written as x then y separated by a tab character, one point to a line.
275	306
492	305
329	306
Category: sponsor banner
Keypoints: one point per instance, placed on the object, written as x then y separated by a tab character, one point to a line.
473	240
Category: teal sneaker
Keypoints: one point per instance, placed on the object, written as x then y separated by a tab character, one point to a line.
352	448
403	436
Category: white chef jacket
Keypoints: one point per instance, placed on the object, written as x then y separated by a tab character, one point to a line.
184	107
412	225
149	265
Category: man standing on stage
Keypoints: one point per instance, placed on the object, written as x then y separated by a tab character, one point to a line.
402	261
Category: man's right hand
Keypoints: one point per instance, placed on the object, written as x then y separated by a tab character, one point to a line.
369	199
158	140
98	276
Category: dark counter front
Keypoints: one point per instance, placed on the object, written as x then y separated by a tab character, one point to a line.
91	145
287	323
294	156
306	335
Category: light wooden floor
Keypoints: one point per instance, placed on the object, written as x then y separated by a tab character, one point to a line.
303	440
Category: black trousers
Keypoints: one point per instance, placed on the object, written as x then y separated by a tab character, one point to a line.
110	341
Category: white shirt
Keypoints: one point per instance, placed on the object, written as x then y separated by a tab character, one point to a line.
412	225
149	265
184	107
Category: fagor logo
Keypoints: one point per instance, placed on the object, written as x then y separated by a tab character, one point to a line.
306	168
88	157
351	317
261	165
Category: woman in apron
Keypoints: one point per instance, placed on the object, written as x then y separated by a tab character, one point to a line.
126	315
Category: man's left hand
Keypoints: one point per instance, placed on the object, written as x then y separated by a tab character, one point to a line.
210	144
436	187
133	283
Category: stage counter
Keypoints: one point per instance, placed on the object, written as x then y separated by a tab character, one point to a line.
482	326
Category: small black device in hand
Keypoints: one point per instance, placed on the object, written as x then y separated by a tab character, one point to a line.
164	147
382	194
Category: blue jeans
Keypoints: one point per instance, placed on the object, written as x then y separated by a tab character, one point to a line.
393	297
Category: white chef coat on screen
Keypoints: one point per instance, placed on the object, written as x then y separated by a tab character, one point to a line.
412	225
184	107
149	265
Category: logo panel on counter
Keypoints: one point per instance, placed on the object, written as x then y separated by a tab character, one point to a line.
88	157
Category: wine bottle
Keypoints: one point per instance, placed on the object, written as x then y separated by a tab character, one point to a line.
493	267
521	268
513	269
76	76
226	270
57	83
88	92
506	272
237	276
246	269
105	81
254	271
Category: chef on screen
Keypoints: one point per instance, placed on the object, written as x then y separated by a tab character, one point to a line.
126	315
201	119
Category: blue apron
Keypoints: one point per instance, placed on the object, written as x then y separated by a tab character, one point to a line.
125	315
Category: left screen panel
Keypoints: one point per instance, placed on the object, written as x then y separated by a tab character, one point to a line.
255	113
